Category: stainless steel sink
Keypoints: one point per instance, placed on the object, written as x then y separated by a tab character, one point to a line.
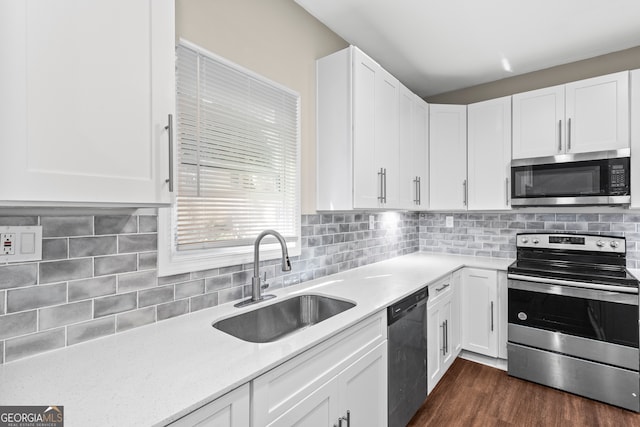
273	322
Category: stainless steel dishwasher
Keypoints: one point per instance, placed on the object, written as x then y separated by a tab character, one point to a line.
407	346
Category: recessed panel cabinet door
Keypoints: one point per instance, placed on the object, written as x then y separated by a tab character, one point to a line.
538	123
489	157
86	92
320	408
597	113
447	157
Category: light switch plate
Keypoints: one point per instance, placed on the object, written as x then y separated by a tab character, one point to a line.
20	243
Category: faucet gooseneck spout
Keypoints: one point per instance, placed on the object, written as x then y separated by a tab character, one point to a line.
256	282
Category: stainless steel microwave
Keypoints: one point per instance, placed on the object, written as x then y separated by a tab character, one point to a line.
599	178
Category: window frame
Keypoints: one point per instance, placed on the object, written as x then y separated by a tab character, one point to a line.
171	261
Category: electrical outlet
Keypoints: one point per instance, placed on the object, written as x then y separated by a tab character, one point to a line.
8	241
20	243
372	222
449	222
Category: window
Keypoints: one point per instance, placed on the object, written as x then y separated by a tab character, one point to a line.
237	165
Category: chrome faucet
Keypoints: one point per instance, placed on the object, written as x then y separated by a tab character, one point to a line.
256	281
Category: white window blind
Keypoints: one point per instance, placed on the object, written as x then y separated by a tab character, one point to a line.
238	155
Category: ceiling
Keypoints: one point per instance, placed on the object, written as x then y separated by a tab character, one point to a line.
436	46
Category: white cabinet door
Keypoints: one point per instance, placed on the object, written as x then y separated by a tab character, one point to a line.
363	389
86	93
489	153
538	122
597	113
435	346
387	134
413	144
367	184
502	314
358	133
230	410
447	157
479	311
635	137
375	133
320	408
446	320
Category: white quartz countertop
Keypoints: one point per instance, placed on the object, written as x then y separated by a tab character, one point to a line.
155	374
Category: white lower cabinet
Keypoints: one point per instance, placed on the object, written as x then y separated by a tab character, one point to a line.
442	329
345	374
480	311
230	410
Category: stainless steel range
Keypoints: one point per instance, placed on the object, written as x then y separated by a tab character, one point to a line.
573	317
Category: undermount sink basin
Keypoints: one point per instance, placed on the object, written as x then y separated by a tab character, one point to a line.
273	322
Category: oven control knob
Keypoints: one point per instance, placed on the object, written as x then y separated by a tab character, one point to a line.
522	315
614	244
599	243
525	240
536	241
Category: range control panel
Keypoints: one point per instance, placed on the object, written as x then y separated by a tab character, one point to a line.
579	242
20	243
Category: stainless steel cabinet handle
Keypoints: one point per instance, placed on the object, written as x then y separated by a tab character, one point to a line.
491	316
419	191
347	419
415	188
559	136
464	192
381	177
385	185
442	287
443	339
169	129
446	337
506	180
479	277
569	135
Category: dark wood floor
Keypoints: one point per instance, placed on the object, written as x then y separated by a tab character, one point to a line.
471	394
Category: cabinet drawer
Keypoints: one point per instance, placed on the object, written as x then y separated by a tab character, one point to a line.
280	389
439	289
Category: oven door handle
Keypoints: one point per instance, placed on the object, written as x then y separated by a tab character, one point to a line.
571	291
585	285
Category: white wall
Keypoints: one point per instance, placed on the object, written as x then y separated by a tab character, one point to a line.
275	38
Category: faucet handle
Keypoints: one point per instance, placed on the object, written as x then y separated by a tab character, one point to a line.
264	284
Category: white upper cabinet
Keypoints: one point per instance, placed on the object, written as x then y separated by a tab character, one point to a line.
414	149
537	122
447	157
358	133
489	153
597	113
86	93
579	117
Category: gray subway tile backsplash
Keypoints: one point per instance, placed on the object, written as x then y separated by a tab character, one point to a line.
13	325
16	276
108	262
112	264
91	330
105	306
71	269
91	288
61	315
29	345
92	246
21	299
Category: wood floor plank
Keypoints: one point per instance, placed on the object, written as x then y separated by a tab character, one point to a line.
471	394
